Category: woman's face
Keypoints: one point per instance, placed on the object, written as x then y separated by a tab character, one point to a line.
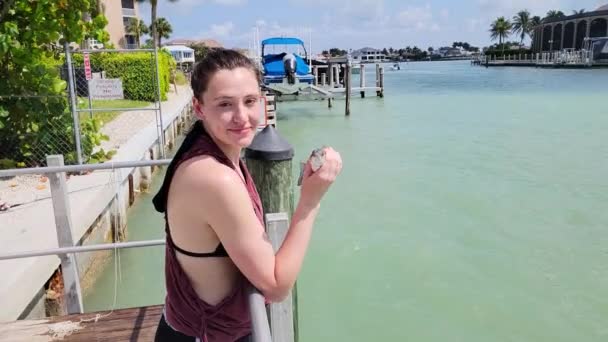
230	106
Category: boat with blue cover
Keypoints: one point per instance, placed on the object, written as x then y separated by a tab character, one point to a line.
285	66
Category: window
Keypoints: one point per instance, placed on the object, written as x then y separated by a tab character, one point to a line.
128	4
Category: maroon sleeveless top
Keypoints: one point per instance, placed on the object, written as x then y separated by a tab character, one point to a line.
185	311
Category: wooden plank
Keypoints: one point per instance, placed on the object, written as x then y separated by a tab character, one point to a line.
320	90
63	224
133	324
281	314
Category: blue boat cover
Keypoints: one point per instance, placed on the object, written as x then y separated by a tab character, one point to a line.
282	41
273	65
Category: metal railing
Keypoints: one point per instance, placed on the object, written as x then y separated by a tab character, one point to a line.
66	250
557	58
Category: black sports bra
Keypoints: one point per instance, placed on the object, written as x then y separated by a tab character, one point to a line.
219	252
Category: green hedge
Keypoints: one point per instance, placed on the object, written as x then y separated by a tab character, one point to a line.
138	74
136	70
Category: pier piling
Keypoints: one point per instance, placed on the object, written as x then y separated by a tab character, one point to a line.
63	222
347	84
269	159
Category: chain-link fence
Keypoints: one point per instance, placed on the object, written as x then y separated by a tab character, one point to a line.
116	95
84	112
35	118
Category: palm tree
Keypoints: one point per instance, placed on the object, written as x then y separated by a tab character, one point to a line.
163	29
521	25
575	12
153	6
137	28
553	14
535	21
500	29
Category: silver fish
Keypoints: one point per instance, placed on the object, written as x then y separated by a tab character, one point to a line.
317	159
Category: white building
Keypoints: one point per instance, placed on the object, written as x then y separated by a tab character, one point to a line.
181	53
368	55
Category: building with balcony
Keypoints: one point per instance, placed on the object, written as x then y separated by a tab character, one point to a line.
570	32
119	14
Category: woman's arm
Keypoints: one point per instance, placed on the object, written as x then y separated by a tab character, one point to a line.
223	202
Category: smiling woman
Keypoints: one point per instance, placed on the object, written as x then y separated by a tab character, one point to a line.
216	243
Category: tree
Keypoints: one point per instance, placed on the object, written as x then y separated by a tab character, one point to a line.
201	50
391	50
137	28
463	45
522	25
163	30
500	29
384	51
581	11
430	49
34	117
153	8
553	14
535	21
335	52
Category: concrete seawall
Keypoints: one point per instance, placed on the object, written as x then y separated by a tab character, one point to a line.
99	202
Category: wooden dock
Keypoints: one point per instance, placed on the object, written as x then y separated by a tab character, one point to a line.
134	324
330	82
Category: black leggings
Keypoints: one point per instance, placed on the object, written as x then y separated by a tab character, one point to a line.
164	333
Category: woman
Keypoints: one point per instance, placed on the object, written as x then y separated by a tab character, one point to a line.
216	242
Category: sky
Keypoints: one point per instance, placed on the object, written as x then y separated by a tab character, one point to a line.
349	24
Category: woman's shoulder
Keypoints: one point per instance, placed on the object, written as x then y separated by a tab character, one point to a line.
206	172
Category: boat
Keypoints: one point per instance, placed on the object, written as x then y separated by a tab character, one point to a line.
287	66
396	67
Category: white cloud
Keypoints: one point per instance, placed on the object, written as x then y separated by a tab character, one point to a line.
444	13
508	8
219	30
417	18
188	6
473	24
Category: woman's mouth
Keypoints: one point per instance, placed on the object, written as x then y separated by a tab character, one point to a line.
240	130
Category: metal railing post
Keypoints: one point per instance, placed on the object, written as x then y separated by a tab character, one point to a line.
63	222
71	84
161	137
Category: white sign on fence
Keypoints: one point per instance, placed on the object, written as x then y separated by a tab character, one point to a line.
106	88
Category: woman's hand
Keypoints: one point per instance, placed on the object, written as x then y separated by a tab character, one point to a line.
316	184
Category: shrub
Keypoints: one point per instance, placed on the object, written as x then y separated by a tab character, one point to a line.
136	70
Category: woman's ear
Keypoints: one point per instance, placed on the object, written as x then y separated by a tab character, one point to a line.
198	111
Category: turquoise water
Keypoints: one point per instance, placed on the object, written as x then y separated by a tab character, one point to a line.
472	207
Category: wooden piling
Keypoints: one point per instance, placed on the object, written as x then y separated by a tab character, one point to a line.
381	82
331	75
323	78
269	160
347	84
377	79
362	80
329	102
63	222
315	71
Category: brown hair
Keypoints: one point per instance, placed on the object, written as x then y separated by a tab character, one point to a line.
216	60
